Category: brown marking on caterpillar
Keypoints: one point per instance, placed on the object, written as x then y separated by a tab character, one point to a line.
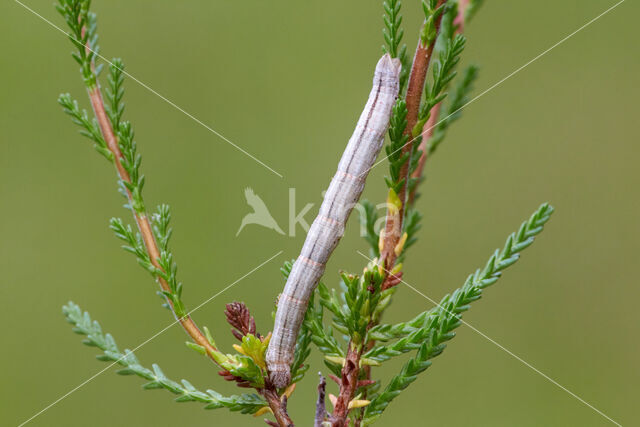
343	193
309	261
294	299
327	219
348	175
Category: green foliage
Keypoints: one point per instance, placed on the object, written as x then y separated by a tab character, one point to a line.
321	337
368	219
453	109
447	27
83	325
386	332
82	25
393	33
115	92
82	33
411	341
410	225
357	308
302	352
135	245
88	127
397	140
131	162
360	299
250	364
439	323
443	73
431	13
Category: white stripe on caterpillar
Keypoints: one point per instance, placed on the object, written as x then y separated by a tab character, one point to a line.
328	227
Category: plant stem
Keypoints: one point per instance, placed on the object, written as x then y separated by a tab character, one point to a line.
429	127
415	90
348	386
427	132
142	220
393	226
278	405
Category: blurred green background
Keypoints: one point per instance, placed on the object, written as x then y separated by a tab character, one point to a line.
286	81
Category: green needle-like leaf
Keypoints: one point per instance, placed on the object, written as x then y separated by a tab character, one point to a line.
443	319
83	325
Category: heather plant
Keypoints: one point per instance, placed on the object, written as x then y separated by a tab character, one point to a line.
344	324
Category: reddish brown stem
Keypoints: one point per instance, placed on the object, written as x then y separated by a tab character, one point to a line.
427	133
348	386
393	225
142	220
415	89
429	127
278	405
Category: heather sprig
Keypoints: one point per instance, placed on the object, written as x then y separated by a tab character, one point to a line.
168	269
368	218
453	109
185	391
443	72
88	126
393	34
83	34
432	10
397	140
114	138
393	31
351	338
115	92
440	322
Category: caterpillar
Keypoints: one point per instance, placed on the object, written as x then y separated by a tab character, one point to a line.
328	227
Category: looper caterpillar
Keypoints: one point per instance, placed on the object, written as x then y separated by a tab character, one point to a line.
343	193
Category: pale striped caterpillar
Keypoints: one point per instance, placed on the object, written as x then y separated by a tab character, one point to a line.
328	227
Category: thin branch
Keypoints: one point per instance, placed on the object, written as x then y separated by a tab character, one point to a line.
278	405
395	211
348	386
415	90
429	127
142	219
427	133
